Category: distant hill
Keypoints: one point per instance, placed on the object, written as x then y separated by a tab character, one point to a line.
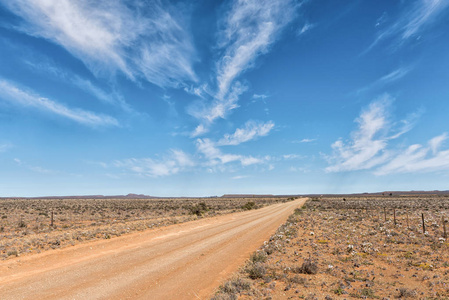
247	196
385	193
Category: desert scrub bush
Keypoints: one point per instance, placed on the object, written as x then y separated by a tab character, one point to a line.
236	286
198	209
221	296
256	270
232	288
308	267
297	279
249	205
298	211
258	256
406	293
21	224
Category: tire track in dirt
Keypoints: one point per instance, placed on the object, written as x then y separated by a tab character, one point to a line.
182	261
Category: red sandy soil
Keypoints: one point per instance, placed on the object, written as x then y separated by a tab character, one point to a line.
185	261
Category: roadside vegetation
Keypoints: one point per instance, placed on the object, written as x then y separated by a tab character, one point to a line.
390	247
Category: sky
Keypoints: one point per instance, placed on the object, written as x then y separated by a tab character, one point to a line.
204	98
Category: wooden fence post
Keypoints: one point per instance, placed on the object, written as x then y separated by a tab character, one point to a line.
394	216
444	227
423	224
51	222
407	221
385	214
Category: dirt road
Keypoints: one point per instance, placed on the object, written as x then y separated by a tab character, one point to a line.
185	261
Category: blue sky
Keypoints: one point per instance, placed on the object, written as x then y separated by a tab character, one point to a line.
198	98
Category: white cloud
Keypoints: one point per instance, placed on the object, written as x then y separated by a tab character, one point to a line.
305	28
250	160
394	75
200	91
199	130
386	79
424	12
16	95
216	157
252	130
173	163
46	66
292	156
109	98
247	31
436	142
260	96
140	39
209	112
240	177
367	147
250	27
412	21
417	158
382	19
305	140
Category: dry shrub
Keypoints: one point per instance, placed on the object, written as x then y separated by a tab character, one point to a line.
256	270
230	289
406	293
258	256
307	267
221	296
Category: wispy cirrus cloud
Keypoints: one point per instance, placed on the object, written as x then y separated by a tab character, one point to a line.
414	19
139	39
47	67
209	112
19	96
249	28
367	147
172	163
250	131
247	31
386	79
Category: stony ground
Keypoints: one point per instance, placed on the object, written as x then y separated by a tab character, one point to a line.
368	248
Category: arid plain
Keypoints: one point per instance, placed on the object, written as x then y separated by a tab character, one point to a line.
323	247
